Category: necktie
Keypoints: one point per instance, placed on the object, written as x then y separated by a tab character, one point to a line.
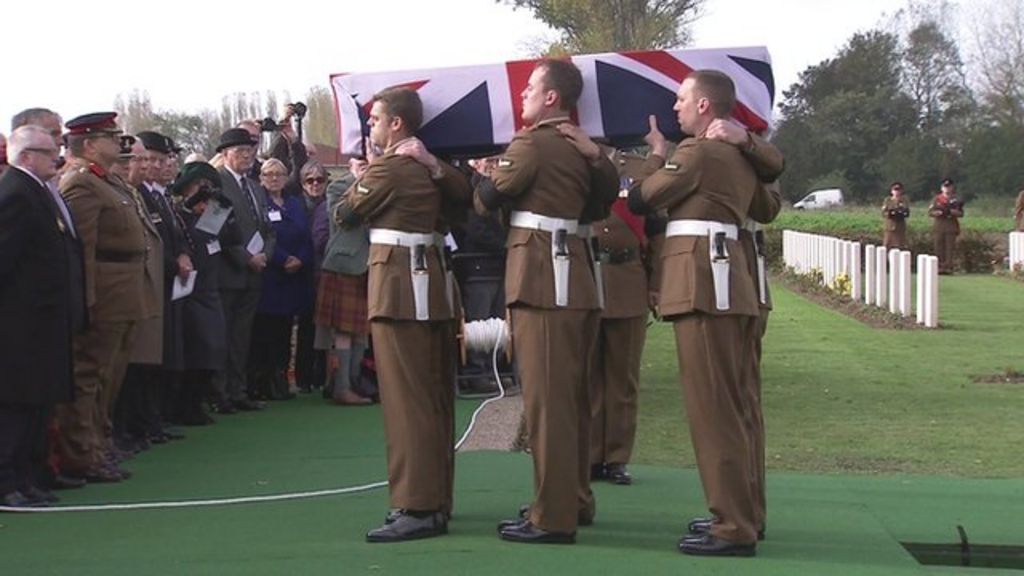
62	210
252	199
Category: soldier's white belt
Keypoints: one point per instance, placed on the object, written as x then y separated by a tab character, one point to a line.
700	228
754	227
417	268
399	238
717	252
559	229
532	221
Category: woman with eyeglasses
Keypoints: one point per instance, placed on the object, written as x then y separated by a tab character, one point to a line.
287	286
310	360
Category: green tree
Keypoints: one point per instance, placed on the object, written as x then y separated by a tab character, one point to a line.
588	26
842	115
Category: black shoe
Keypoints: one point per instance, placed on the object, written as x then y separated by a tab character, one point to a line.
62	482
599	471
702	525
172	433
617	474
18	500
527	533
39	495
225	408
249	405
524	513
708	545
409	526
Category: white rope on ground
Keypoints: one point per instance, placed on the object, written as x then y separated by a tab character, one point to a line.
480	335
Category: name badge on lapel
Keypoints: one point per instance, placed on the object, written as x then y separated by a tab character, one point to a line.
60	226
155	218
213	246
274	215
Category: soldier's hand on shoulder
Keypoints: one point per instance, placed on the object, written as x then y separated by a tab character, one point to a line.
655	139
587	147
726	131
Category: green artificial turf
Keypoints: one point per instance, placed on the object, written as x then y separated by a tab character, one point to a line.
817	524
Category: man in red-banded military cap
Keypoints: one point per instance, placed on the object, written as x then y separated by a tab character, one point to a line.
119	243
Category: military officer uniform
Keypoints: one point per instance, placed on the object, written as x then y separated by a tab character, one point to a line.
410	314
895	212
946	212
764	208
709	295
115	257
615	364
552	296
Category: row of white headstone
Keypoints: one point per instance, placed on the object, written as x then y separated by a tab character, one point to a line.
884	279
1016	250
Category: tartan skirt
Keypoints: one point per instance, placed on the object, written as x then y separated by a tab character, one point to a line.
341	303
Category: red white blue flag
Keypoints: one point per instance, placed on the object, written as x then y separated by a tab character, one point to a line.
475	110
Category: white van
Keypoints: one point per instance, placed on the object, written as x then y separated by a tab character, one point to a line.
824	198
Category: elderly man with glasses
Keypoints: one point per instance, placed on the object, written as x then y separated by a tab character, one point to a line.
41	293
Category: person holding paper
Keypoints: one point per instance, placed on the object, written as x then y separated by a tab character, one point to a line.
203	322
241	276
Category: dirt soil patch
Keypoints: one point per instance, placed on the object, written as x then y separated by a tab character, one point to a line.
871	315
1008	377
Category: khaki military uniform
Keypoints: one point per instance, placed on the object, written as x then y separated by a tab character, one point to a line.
712	182
615	364
115	255
764	207
543	174
894	222
416	382
945	229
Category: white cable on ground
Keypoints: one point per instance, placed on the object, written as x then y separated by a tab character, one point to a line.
480	335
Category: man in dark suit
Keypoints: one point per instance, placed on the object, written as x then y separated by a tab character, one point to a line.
551	176
241	276
42	304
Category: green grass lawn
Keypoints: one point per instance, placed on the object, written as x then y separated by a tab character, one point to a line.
856	220
840	396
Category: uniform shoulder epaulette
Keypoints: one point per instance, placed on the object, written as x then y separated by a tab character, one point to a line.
97	170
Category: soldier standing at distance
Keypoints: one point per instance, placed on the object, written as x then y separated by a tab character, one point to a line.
895	211
946	210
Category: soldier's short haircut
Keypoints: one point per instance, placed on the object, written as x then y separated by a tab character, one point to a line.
30	116
402	103
563	77
718	88
76	143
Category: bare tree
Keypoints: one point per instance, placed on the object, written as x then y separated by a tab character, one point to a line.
998	59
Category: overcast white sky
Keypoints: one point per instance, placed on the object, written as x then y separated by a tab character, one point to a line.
188	54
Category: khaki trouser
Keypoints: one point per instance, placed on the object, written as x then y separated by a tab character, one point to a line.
101	357
551	349
416	394
714	354
945	249
614	381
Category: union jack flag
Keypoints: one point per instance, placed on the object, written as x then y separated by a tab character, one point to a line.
475	110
